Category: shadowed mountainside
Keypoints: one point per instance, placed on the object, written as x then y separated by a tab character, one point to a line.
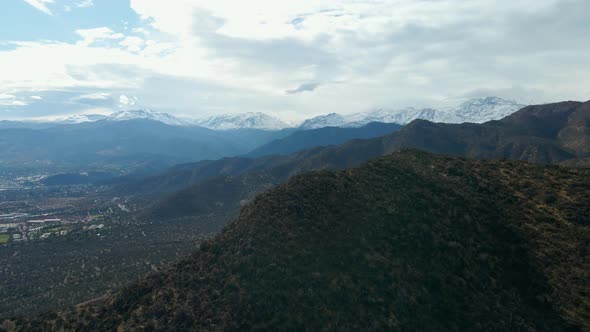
305	139
123	145
548	134
410	241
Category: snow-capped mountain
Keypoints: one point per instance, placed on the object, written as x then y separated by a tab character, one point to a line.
486	109
253	120
219	122
475	110
356	120
148	115
402	116
328	120
80	118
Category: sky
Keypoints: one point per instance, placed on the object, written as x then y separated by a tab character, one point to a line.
291	59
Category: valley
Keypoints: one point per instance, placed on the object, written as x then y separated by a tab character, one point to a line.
68	244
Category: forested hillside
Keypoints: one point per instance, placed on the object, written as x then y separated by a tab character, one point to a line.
411	241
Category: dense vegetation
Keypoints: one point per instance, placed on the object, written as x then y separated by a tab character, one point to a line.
61	271
410	241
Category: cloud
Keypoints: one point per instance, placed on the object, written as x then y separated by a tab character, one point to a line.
202	57
95	99
89	36
41	5
126	102
11	100
84	3
133	43
304	88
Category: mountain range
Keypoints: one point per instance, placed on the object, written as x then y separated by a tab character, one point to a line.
79	118
548	134
475	110
242	121
121	146
408	242
135	141
162	117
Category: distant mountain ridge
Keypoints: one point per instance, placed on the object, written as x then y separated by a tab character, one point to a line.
80	118
165	118
252	120
122	145
474	111
305	139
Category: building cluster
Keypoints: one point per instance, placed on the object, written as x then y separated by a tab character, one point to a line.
33	229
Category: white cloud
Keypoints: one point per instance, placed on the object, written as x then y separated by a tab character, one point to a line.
90	36
125	102
95	96
84	3
342	55
11	100
41	5
6	96
133	43
16	103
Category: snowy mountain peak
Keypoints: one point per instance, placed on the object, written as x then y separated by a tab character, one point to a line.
402	116
252	120
487	101
147	115
475	110
486	109
328	120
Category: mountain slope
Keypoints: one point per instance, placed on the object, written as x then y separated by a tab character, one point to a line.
535	133
408	242
305	139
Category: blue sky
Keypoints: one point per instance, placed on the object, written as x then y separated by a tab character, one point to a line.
292	59
23	22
